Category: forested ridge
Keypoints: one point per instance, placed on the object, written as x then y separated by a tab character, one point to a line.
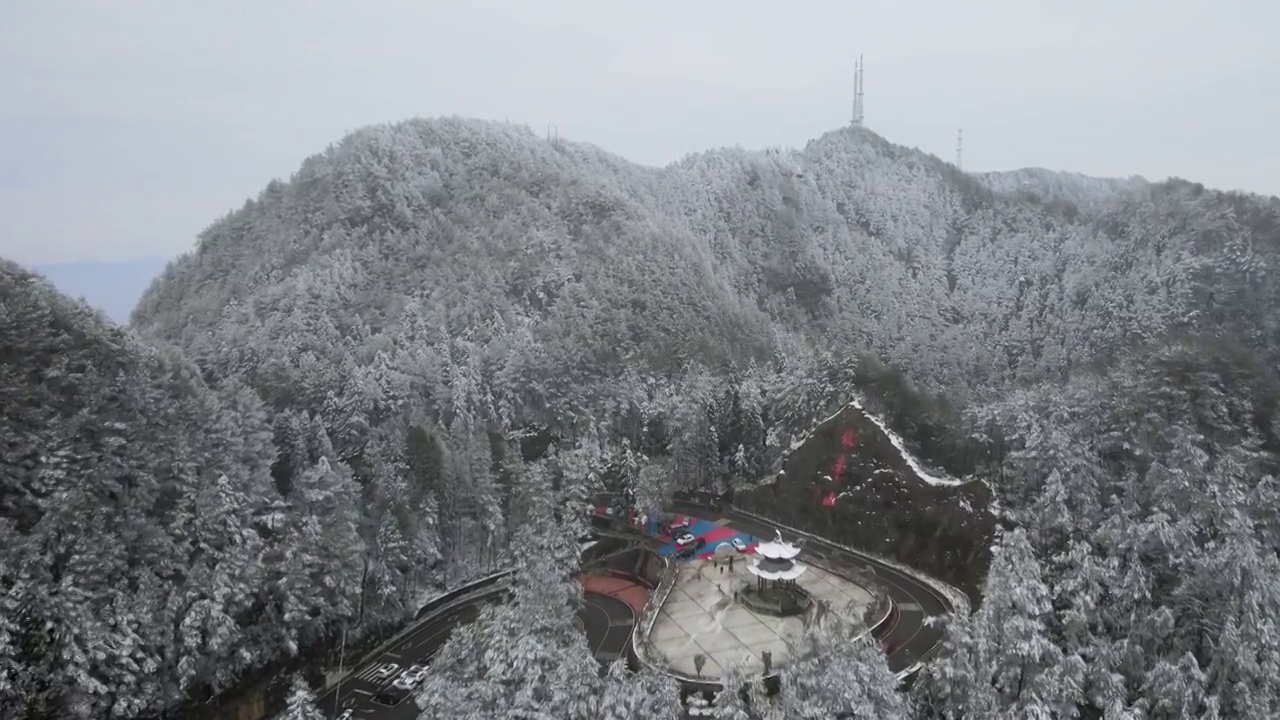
342	397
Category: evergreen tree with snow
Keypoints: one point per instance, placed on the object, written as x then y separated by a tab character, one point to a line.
301	702
626	695
834	674
1002	661
526	657
732	700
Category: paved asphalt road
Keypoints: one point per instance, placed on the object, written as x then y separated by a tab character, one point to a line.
607	621
361	690
905	634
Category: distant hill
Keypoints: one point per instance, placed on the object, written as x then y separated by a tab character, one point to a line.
1052	186
566	267
111	286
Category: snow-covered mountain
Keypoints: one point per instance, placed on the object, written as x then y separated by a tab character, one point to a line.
400	367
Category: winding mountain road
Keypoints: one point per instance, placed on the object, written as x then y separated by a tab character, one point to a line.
369	692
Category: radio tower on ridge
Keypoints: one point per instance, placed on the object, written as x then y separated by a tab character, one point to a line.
960	149
857	94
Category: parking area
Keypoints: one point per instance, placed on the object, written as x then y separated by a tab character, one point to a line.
707	535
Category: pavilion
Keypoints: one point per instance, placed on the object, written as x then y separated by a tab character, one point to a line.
775	565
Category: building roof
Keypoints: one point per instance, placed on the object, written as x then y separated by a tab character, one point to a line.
777	549
769	571
773	564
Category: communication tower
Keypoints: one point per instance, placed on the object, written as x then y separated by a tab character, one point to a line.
857	93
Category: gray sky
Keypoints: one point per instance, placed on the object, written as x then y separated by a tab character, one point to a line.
128	126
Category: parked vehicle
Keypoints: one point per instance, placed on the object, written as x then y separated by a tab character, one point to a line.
739	544
386	671
409	679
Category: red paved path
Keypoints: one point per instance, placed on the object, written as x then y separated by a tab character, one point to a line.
628	591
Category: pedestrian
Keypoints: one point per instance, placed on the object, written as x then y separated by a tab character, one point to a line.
721	569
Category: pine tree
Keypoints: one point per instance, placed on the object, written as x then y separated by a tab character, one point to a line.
730	702
301	703
527	657
627	695
834	675
11	606
292	460
322	568
1002	661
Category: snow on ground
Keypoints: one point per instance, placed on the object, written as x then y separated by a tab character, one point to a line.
702	617
796	443
901	447
894	439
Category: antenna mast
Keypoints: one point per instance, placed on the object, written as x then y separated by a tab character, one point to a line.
862	68
857	93
960	149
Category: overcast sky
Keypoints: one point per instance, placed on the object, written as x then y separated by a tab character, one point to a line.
127	126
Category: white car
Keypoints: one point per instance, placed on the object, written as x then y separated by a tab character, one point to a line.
386	671
739	544
347	714
410	678
685	540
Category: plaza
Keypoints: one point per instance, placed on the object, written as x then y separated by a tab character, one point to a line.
702	617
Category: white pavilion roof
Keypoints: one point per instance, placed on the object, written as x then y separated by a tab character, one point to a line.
790	573
778	550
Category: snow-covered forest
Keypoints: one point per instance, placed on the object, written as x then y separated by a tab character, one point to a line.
374	380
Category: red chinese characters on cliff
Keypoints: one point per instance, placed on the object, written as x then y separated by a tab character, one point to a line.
848	440
838	469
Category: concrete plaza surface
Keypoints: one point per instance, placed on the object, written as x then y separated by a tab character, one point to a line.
701	616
